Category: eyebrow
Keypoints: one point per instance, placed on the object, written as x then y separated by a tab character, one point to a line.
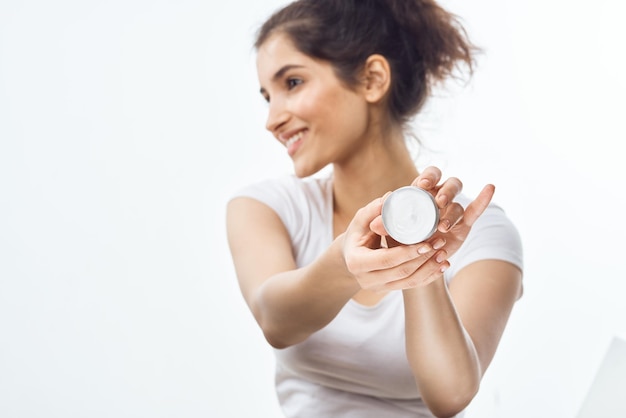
281	72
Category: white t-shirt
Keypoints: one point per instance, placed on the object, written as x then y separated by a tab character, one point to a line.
356	366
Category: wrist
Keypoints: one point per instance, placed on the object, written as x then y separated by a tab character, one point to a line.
338	264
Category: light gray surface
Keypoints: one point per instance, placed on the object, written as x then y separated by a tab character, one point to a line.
606	395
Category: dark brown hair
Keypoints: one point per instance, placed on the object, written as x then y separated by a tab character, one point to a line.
423	43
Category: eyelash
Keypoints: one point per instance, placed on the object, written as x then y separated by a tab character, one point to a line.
293	82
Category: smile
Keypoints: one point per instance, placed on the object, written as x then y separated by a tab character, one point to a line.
294	139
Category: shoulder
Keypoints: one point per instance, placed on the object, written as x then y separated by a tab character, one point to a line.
298	202
288	190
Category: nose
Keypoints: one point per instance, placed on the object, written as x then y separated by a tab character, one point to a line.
278	115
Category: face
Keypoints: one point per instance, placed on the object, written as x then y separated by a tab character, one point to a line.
318	119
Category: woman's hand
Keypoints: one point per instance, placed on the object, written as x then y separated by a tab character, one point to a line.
407	266
455	222
378	268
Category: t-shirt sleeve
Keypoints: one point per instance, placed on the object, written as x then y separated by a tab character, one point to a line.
283	197
493	237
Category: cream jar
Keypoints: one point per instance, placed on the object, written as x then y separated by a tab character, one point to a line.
410	215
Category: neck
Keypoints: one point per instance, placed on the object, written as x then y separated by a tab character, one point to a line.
382	165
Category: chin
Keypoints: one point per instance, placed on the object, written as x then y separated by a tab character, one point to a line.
302	172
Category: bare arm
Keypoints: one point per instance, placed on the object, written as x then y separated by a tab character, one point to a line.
289	303
451	336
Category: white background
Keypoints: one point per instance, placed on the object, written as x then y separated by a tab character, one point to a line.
126	125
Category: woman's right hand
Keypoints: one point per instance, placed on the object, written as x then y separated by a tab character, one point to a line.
378	268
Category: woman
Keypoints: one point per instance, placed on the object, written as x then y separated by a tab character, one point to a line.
364	327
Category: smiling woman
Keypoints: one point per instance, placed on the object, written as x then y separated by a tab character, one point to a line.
326	122
362	325
126	125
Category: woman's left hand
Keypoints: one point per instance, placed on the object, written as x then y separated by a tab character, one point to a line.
455	222
408	266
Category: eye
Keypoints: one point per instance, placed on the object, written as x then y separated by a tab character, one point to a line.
293	82
264	94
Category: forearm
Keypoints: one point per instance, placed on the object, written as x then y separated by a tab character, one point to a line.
440	351
290	306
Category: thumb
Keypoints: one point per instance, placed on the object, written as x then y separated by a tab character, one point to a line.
376	225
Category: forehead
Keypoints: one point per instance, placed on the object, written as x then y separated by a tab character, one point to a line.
277	51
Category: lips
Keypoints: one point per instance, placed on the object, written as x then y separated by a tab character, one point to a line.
292	140
295	138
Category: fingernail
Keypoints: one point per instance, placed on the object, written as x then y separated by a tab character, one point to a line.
441	257
439	244
425	183
423	249
443	268
443	200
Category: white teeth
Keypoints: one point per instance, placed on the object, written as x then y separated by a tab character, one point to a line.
293	139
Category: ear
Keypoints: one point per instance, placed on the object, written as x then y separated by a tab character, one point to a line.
376	78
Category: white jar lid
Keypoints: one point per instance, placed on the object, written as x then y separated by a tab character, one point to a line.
410	215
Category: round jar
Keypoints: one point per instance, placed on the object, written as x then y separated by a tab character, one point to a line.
410	215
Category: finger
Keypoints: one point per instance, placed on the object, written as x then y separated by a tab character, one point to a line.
387	258
450	216
437	241
478	206
428	179
364	216
380	279
429	271
376	277
377	226
448	191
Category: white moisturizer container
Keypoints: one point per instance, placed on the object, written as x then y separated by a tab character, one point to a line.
410	215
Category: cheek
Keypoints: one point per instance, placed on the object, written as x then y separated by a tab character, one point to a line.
351	115
316	104
337	109
309	108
